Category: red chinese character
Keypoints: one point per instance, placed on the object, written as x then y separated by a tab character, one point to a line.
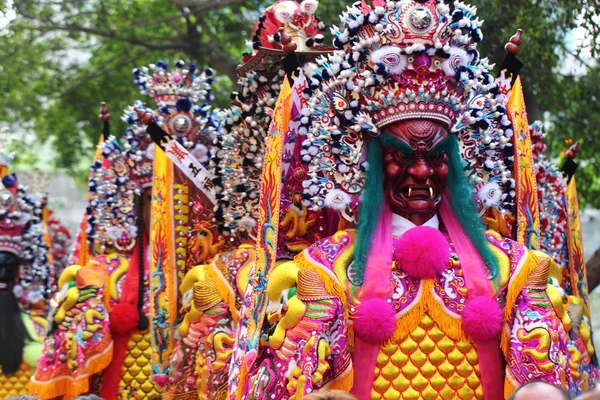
177	152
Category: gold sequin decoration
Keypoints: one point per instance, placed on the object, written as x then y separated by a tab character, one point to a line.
427	365
15	384
135	382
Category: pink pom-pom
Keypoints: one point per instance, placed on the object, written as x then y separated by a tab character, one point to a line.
375	321
422	252
482	318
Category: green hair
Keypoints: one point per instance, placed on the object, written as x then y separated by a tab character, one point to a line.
370	208
461	194
464	206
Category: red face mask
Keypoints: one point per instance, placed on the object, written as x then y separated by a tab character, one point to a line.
414	180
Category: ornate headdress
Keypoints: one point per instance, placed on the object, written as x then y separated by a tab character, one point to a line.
111	209
17	214
22	234
551	189
182	100
240	146
284	27
414	59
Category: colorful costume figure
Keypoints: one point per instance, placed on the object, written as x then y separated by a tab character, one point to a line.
25	284
211	293
183	232
561	238
419	301
101	323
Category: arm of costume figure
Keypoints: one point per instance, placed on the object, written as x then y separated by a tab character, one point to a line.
304	343
210	297
79	343
539	339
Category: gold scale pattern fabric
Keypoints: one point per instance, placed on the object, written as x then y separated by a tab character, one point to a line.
428	365
15	384
137	370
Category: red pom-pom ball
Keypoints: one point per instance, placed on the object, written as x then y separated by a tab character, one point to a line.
375	321
123	319
422	252
482	318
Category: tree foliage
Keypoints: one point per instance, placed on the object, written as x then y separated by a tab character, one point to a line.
59	59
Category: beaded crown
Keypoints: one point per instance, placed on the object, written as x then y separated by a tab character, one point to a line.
182	99
399	60
139	148
18	213
111	211
551	189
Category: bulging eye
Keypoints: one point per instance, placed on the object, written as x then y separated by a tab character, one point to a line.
437	63
391	60
391	57
438	157
339	102
458	57
411	59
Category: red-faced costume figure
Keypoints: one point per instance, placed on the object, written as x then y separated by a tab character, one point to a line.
419	302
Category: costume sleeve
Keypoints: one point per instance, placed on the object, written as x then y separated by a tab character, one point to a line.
539	339
210	298
305	344
79	344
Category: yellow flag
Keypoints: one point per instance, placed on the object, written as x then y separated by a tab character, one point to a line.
527	206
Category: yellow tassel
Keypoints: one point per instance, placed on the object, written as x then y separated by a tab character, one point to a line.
242	381
343	382
426	304
505	339
350	336
516	285
409	321
509	389
226	291
330	281
106	290
451	326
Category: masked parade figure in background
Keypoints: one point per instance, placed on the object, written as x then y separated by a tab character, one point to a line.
419	301
26	283
561	238
198	362
114	243
111	335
